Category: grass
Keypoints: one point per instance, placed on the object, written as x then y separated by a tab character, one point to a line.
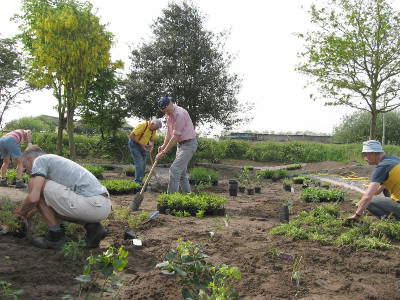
326	225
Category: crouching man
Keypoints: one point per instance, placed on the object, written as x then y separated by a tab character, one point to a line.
63	190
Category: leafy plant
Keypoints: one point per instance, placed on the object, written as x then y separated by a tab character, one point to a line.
203	175
73	250
191	203
120	186
95	170
123	214
7	291
322	195
325	224
129	171
180	213
293	167
104	268
200	279
7	214
300	179
273	174
12	176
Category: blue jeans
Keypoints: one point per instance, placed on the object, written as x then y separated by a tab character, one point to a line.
139	156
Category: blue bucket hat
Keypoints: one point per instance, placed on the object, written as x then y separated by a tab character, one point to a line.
372	146
163	102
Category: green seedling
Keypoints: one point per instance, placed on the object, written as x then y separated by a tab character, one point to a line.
8	292
199	278
226	220
200	213
73	250
296	271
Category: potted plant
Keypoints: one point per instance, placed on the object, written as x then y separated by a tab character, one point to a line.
243	180
287	184
251	178
258	181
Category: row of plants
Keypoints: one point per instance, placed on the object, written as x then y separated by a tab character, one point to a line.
12	176
199	278
273	174
95	170
120	186
326	225
207	204
311	194
200	175
116	148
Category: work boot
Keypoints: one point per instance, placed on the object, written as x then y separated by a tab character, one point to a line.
53	240
95	232
3	182
20	184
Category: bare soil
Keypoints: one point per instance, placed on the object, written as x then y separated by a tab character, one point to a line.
326	272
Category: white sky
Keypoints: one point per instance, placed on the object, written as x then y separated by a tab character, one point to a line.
261	37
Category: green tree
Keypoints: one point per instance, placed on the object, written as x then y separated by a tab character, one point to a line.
36	124
12	83
353	55
355	128
67	46
106	107
189	63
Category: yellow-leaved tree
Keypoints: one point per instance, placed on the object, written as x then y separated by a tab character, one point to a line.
67	47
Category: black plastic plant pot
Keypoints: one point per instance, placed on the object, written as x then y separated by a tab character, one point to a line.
250	191
242	189
162	209
257	189
287	187
130	173
129	234
284	214
233	193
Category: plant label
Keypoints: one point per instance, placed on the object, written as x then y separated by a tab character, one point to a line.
137	242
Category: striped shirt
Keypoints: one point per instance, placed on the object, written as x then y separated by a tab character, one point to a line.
19	134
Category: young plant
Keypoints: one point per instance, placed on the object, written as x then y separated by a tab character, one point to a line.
8	292
12	176
103	268
322	195
129	171
203	175
73	250
296	271
200	279
95	170
119	186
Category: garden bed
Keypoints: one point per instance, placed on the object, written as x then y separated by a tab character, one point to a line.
241	239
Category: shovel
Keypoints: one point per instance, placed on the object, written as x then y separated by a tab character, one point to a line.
137	200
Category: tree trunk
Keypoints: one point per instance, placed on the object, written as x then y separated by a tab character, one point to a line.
372	130
61	117
70	128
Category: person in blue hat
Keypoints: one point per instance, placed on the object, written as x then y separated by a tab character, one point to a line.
386	175
180	132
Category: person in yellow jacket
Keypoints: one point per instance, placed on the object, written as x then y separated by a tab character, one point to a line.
141	141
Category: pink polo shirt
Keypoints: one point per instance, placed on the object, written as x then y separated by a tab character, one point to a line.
19	134
180	124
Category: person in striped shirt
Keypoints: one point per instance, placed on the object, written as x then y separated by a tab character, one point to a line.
10	148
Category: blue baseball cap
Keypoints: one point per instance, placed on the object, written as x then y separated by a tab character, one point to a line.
163	102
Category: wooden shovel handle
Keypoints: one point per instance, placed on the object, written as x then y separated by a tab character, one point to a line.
148	177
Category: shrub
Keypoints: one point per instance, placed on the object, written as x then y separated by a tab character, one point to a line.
321	195
95	170
120	186
191	203
203	175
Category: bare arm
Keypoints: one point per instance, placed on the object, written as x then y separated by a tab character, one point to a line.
366	199
35	187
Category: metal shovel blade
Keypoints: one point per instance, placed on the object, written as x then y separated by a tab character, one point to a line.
135	204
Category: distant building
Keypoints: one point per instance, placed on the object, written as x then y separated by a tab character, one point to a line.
278	137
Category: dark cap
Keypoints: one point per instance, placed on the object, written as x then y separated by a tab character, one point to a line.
163	102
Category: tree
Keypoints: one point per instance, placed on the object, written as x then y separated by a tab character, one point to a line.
189	63
12	83
353	56
67	47
36	124
355	129
106	108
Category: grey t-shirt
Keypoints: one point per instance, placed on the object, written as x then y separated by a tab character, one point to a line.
67	173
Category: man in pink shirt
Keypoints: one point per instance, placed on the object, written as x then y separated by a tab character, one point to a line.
9	148
181	132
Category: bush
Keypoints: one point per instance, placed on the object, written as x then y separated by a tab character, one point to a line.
191	203
120	186
203	175
321	195
95	170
